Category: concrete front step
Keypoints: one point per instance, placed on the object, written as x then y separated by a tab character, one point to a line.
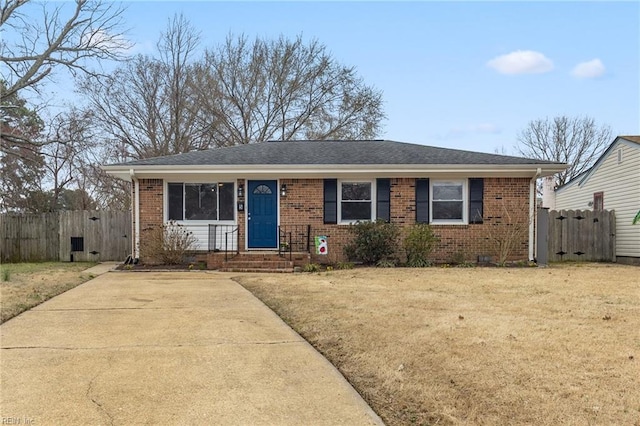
234	269
257	261
267	256
241	264
272	264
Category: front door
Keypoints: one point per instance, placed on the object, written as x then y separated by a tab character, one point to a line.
262	214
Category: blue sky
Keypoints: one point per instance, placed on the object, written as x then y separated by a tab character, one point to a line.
467	75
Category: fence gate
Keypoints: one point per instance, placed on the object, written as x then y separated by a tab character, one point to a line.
94	235
65	236
578	235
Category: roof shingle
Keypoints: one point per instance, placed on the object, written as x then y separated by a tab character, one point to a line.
374	152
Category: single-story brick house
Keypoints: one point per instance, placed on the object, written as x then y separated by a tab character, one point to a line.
274	195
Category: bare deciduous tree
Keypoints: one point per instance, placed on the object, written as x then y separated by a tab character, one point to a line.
507	231
68	136
145	104
43	172
21	163
65	36
106	191
578	141
283	89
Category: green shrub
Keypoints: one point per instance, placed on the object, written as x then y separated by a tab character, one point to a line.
6	274
457	258
311	267
344	265
386	263
372	242
419	243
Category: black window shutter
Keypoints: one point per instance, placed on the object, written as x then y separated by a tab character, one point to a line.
383	199
330	201
422	200
476	191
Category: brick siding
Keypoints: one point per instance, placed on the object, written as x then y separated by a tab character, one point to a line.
505	202
151	199
304	205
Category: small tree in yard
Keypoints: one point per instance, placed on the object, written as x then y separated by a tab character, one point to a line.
167	244
373	242
508	230
418	244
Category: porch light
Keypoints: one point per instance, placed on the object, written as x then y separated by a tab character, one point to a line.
283	190
240	191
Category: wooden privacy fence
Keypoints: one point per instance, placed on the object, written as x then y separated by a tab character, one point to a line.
65	236
578	235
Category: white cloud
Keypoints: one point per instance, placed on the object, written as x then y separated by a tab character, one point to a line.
521	62
100	39
590	69
486	128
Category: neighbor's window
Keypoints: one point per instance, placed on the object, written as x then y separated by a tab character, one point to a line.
447	201
201	201
355	201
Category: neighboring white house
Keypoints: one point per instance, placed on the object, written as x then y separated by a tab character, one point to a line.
613	183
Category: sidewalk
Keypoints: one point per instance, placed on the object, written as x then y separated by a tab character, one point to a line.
101	268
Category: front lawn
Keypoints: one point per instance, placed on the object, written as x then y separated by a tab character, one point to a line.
544	346
25	285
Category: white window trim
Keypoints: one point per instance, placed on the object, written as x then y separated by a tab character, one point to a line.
465	202
165	203
373	199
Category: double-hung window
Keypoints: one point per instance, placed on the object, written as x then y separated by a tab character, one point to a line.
201	201
448	202
355	201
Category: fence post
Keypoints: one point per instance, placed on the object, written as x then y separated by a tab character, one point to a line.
542	243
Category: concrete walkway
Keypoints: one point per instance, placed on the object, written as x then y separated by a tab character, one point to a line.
166	348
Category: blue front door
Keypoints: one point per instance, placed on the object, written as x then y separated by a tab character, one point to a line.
262	214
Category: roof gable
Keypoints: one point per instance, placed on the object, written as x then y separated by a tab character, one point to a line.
582	178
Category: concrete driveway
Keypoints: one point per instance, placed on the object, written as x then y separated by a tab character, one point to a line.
166	348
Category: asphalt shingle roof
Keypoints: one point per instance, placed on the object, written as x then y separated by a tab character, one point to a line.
375	152
635	139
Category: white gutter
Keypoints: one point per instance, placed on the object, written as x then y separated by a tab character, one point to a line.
532	212
136	213
306	170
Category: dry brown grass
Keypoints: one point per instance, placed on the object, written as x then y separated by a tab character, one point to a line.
544	346
30	284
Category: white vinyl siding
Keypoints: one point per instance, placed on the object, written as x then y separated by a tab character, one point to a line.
620	184
201	232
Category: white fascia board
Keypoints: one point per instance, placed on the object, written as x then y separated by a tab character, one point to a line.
321	171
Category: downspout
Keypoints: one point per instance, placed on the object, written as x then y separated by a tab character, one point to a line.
136	213
532	212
